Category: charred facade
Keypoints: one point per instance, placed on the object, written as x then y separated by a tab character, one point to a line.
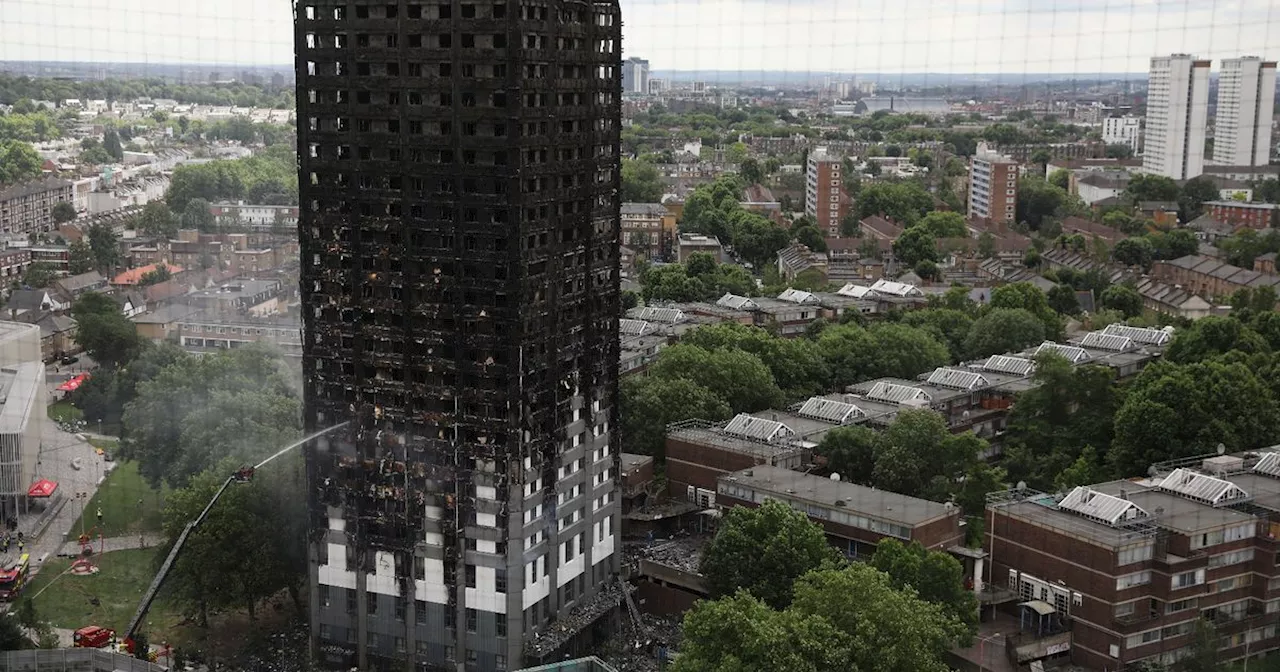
459	230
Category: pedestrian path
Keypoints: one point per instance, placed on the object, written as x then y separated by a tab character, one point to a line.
110	544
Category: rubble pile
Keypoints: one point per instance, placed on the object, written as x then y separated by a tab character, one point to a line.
630	651
682	553
584	613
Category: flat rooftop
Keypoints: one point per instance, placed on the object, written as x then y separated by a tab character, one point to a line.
890	506
1177	513
1042	510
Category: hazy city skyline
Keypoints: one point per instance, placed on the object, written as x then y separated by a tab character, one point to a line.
881	36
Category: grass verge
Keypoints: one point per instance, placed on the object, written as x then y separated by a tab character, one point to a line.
68	601
129	505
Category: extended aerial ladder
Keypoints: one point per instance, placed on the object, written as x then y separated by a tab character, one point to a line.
243	475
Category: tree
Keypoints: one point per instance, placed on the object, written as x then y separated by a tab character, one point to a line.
855	354
80	258
1060	179
103	331
882	628
1086	470
105	246
851	452
1179	410
1123	298
62	212
796	364
1062	298
1028	297
928	270
915	245
629	298
1203	654
750	171
640	182
1195	192
1038	200
1134	252
1213	336
986	245
757	240
199	410
196	215
811	238
18	162
1151	187
1173	244
918	456
111	143
949	326
11	636
1068	409
742	633
945	224
1004	330
738	378
157	220
155	277
936	576
763	551
670	282
39	275
1119	151
1041	157
902	202
649	403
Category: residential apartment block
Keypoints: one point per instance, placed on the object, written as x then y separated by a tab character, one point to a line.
460	300
1177	111
1132	565
1124	130
824	196
28	207
993	186
1246	102
649	229
1256	216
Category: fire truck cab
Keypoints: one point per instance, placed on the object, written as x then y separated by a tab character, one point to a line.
14	577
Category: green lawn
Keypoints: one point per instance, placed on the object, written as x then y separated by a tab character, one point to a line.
118	588
63	411
119	496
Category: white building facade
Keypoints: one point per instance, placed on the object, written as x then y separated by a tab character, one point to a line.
635	76
1177	112
1126	130
22	412
1246	101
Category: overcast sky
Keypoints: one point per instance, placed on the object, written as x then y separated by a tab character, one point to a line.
943	36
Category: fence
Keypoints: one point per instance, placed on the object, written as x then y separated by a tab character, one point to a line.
73	660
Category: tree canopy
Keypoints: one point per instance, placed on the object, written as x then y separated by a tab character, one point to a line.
763	551
649	403
103	330
640	182
936	576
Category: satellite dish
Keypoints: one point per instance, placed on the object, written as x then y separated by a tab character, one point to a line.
1152	471
1222	449
948	506
835	476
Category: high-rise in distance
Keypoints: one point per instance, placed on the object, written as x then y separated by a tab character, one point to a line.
1177	111
459	230
1246	100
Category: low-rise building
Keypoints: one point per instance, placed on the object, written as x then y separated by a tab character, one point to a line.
22	413
57	257
72	287
649	229
1090	229
796	259
258	217
854	517
1256	216
876	227
23	301
28	207
257	298
1210	277
690	243
203	332
14	262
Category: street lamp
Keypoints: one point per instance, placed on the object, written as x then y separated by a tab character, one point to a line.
82	498
982	649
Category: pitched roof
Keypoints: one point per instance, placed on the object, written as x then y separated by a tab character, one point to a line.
73	283
33	187
134	275
29	299
882	226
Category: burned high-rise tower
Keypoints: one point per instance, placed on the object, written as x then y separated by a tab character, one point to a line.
459	229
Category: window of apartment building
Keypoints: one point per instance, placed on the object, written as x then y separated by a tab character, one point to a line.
1233	558
1177	630
1222	536
471	576
1142	638
500	625
1134	554
1187	579
401	609
400	645
1232	583
499	662
472	620
1181	605
351	601
1126	608
371	602
1134	579
420	612
473	658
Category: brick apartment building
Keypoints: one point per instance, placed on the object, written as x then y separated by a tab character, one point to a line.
649	229
1253	215
28	207
1132	565
824	196
1211	278
993	186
